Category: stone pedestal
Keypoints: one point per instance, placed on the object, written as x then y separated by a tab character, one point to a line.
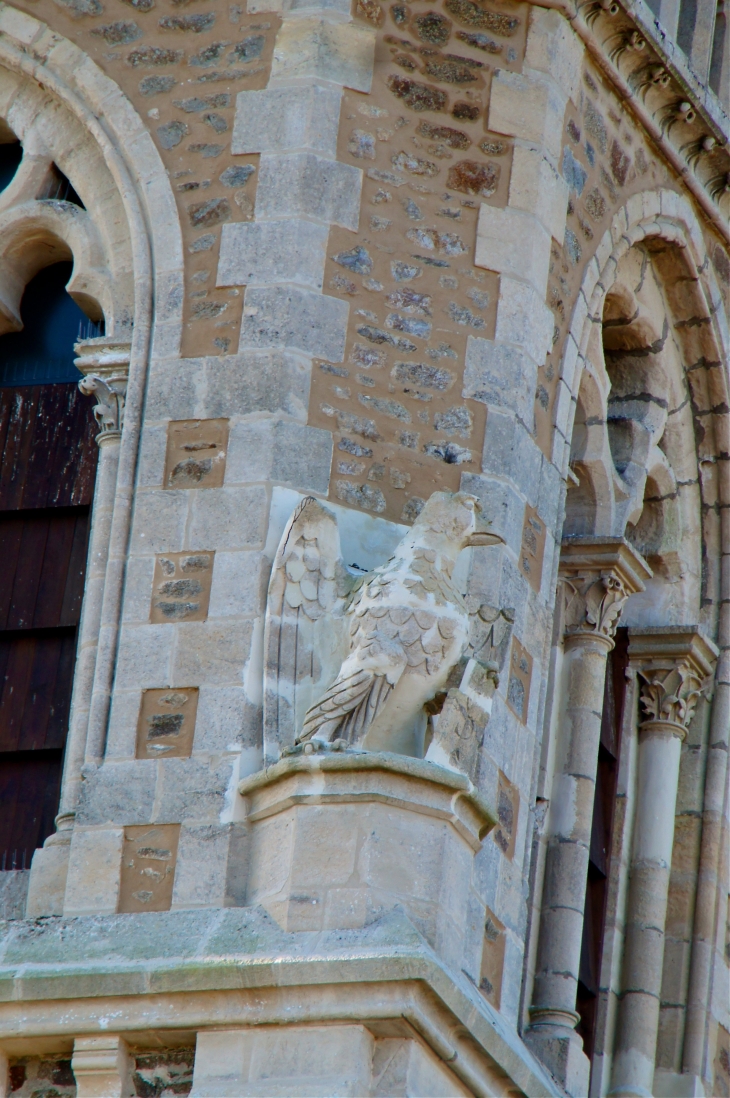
339	839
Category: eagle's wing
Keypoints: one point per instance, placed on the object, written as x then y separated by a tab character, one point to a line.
385	640
305	635
376	662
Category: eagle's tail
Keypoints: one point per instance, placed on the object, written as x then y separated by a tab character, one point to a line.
348	707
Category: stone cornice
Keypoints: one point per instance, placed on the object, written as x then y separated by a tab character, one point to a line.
675	665
188	970
684	117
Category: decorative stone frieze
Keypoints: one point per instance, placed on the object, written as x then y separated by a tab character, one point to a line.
105	366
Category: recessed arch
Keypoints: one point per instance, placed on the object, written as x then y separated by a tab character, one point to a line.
682	425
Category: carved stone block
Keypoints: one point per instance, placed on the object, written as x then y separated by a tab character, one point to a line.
167	723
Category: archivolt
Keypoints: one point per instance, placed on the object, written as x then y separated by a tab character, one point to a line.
664	223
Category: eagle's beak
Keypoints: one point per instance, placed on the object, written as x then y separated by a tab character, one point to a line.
483	535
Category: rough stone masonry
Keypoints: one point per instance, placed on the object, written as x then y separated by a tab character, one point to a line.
359	252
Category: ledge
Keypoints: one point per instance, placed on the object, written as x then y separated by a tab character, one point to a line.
187	970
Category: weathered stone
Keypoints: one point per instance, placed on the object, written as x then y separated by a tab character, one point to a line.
269	252
294	318
287	119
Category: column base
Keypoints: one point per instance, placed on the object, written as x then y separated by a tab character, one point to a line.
560	1049
49	872
673	1084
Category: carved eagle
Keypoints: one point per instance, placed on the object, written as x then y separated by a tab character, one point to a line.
356	657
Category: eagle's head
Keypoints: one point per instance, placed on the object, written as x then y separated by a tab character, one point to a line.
455	520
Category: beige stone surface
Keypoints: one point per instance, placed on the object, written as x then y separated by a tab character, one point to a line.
101	1067
311	47
94	871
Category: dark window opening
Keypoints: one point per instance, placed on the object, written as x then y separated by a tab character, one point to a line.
60	189
47	469
687	23
11	154
599	863
43	352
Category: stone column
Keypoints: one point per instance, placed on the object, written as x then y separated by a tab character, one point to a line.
105	366
598	575
674	665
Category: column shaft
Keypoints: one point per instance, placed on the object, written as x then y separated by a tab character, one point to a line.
598	576
638	1024
674	667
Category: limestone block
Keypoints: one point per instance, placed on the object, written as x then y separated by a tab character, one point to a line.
204	856
94	872
280	451
226	720
102	1068
283	1061
153	444
538	188
287	119
530	106
138	588
554	48
510	450
192	789
258	381
338	839
119	793
229	518
340	53
501	376
47	883
13	892
239	584
503	508
263	253
563	1056
306	185
513	243
158	525
299	7
211	652
673	1084
524	318
402	1066
287	316
17	25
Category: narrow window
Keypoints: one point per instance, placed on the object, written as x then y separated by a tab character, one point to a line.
718	60
47	468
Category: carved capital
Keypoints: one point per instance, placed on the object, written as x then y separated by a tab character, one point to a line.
675	667
598	576
105	366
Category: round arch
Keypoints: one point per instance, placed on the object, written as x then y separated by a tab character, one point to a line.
664	223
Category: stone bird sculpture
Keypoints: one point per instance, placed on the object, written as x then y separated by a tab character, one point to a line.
356	658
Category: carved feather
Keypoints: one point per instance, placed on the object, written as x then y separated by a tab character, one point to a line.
304	637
